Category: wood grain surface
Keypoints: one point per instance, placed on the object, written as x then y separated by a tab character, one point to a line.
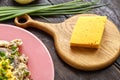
62	70
80	58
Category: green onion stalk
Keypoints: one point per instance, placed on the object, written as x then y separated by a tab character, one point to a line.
72	7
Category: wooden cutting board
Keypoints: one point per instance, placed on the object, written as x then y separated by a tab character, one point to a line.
81	58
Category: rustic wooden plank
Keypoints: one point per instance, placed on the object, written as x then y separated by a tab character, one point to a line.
62	70
117	65
62	73
56	19
106	74
115	5
65	72
112	11
58	1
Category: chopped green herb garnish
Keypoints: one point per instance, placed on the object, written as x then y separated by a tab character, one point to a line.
3	78
11	60
2	54
26	73
13	48
4	64
2	71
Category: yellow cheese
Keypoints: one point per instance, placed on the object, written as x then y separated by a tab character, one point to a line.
8	69
88	31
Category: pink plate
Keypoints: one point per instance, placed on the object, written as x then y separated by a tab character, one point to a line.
40	63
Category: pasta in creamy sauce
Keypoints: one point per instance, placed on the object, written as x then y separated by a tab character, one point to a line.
12	63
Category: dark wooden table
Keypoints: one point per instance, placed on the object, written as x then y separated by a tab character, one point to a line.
62	70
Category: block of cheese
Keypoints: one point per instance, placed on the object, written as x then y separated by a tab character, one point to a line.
88	31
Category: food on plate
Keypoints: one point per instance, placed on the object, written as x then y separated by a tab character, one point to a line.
88	31
13	65
24	1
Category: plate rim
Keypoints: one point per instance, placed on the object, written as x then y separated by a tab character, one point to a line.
38	39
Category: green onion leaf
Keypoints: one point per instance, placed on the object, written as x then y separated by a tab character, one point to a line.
2	54
71	7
